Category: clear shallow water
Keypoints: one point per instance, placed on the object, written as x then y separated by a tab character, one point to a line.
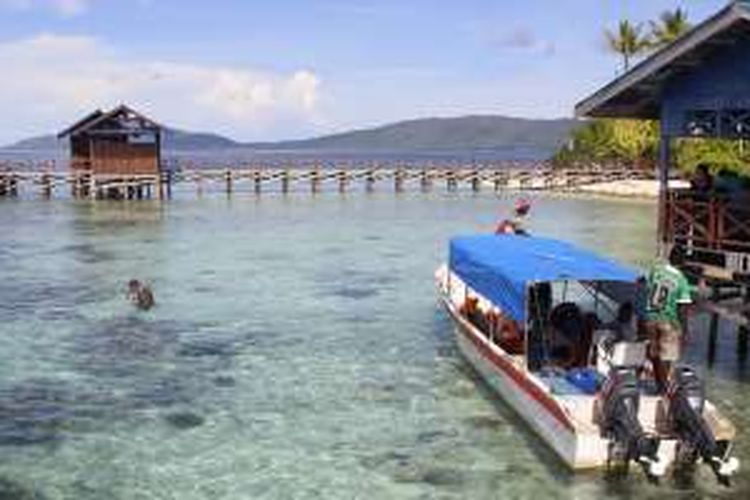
297	351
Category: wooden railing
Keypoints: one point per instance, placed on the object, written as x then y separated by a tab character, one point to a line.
315	178
710	229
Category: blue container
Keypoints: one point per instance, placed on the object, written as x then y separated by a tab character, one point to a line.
585	379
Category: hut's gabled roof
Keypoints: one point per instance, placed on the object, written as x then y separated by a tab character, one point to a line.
637	93
98	116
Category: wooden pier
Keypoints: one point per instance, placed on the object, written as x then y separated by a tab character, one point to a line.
81	184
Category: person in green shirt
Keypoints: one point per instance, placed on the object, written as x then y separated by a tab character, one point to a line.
667	294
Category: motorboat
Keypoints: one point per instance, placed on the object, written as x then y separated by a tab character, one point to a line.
537	319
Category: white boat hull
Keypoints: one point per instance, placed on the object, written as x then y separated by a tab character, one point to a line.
579	451
566	423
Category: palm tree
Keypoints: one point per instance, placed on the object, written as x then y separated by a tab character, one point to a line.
670	26
628	41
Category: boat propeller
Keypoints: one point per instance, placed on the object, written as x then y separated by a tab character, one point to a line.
686	399
619	422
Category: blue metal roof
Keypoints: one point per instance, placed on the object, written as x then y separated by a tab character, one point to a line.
501	267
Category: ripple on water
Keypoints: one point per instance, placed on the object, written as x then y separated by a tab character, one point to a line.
44	298
89	253
123	346
11	489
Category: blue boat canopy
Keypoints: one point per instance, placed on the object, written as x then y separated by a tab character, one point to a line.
500	267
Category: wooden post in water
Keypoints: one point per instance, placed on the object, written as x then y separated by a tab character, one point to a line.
425	180
450	180
161	179
3	184
475	180
285	176
199	183
228	180
713	334
256	181
743	332
343	179
315	180
47	185
13	186
398	180
370	180
91	186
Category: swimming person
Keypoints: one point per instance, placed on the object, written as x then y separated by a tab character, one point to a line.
140	295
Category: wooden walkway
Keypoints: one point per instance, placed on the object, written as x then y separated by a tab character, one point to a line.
83	184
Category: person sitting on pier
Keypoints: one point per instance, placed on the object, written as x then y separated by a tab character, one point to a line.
668	295
517	223
140	295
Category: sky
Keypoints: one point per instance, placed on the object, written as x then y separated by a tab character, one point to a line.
285	69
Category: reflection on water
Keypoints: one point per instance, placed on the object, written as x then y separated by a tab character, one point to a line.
296	351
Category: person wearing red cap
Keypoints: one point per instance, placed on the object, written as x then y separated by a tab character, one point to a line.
516	224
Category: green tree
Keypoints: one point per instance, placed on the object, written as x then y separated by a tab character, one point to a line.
622	142
628	41
719	154
670	26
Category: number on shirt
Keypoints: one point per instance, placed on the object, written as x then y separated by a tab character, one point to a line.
660	294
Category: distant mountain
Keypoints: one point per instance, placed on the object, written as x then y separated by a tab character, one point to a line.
176	140
42	143
468	132
434	134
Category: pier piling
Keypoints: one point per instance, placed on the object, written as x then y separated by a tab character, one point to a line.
713	335
398	180
228	181
130	186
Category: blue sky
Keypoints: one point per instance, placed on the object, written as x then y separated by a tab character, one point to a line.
291	68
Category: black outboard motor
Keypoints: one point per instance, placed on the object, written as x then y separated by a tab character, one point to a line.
686	398
619	423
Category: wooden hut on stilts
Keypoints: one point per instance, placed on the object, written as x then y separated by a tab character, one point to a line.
115	154
697	87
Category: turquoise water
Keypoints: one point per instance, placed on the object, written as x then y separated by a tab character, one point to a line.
297	351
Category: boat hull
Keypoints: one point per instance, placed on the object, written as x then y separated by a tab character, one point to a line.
540	410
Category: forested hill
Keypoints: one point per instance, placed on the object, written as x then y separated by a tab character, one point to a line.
469	132
463	133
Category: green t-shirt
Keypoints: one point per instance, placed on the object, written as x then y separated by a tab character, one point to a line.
667	288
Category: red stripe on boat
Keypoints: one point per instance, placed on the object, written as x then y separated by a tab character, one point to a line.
514	373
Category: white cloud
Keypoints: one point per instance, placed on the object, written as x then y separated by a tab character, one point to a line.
50	80
67	8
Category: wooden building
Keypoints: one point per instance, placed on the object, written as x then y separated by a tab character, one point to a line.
696	87
121	142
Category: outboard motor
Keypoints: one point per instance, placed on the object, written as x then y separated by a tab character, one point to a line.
619	423
686	398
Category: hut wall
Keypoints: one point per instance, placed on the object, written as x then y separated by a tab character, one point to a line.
721	82
111	157
79	153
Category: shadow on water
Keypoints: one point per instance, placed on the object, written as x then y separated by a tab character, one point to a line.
355	284
128	365
39	411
